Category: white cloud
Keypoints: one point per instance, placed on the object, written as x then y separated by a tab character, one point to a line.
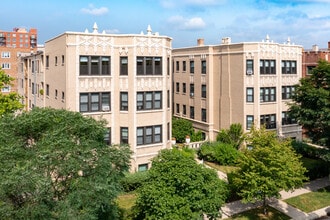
182	23
112	31
95	11
187	3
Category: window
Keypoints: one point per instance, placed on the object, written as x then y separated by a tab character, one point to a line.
287	92
184	89
5	65
168	131
178	108
142	167
192	112
168	99
184	66
309	69
203	64
55	60
249	121
192	90
268	120
267	67
94	65
249	67
123	66
56	93
177	87
107	136
93	102
267	94
123	101
63	95
149	66
204	114
249	95
168	66
203	91
149	135
63	60
47	61
47	89
5	55
124	135
287	120
289	67
33	89
177	66
192	67
184	110
5	89
149	100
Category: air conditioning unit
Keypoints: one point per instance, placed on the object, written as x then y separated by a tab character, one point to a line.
191	94
249	72
105	108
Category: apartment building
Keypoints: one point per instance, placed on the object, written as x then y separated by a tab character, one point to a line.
249	83
122	78
312	56
12	45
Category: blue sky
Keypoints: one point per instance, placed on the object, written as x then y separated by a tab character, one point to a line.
305	22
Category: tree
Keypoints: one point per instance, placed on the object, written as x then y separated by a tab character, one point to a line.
271	166
54	164
233	136
221	153
183	127
311	105
179	188
8	102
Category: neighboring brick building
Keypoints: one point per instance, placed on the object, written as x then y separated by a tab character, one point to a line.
312	56
122	78
215	86
12	45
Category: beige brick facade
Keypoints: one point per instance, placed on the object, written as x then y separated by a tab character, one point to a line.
124	79
244	83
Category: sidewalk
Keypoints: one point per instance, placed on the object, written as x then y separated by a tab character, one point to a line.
236	207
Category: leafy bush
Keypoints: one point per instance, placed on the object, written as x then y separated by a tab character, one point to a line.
316	168
132	181
309	151
234	135
183	127
221	153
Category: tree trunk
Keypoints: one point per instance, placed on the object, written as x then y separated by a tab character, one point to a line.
264	205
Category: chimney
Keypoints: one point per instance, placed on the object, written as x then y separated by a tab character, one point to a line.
226	40
200	42
315	48
328	45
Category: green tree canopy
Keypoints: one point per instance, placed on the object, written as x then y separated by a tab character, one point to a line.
54	164
8	102
271	166
311	105
183	127
233	136
179	188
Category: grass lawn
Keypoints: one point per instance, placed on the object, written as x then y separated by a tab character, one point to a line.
311	201
225	169
257	214
126	202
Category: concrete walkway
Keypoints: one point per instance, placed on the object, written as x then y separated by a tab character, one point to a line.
236	207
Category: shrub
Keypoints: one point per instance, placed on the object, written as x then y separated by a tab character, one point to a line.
221	153
309	151
316	168
132	181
